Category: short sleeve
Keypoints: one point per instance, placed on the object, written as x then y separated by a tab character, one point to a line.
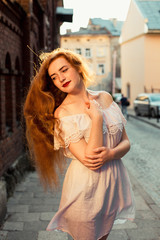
71	129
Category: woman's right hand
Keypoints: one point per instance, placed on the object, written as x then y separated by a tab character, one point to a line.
93	109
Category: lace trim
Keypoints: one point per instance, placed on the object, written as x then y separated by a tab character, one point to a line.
75	137
112	129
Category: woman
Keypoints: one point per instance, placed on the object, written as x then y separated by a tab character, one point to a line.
65	118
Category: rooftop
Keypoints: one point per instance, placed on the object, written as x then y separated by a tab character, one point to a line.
150	9
113	26
86	31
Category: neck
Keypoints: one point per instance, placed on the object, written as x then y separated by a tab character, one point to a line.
79	94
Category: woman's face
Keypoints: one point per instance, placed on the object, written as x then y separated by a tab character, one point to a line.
64	75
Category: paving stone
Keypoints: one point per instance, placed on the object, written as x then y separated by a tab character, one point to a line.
24	217
23	235
35	226
3	235
145	223
47	216
18	195
12	201
156	209
46	195
53	235
143	234
54	201
13	226
140	203
118	235
148	214
34	201
42	208
17	208
32	189
20	188
126	225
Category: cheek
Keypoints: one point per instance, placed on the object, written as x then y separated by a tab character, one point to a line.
55	83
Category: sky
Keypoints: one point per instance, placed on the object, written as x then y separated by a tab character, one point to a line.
85	9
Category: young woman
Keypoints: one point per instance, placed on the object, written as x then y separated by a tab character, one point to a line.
64	118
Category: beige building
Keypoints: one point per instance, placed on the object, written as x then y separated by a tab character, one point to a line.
98	42
140	49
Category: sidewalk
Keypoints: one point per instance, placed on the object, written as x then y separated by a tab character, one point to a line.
31	209
151	121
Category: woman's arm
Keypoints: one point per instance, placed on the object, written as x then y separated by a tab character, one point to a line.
104	154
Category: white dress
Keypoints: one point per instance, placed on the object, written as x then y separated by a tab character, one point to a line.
92	201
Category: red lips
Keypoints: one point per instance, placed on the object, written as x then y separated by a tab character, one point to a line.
66	84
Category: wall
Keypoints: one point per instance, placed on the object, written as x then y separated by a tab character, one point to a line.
133	67
152	61
134	24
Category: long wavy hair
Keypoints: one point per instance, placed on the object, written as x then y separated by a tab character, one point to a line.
42	100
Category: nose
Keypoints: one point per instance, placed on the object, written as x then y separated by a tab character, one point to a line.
61	77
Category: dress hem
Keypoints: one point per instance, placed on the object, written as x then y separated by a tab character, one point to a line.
63	230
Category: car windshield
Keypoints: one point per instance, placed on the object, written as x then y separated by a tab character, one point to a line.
155	98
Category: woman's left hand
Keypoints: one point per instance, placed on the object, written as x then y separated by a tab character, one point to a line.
101	155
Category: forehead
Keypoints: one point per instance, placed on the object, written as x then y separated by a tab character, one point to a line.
57	64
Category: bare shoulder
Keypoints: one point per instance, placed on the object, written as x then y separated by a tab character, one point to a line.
61	111
106	97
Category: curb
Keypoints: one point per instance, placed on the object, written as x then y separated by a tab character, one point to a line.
143	120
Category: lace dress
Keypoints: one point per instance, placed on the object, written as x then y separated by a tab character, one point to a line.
92	201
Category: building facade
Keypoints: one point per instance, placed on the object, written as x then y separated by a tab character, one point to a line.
98	43
140	49
36	24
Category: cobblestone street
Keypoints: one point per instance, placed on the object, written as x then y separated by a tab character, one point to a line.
31	209
143	159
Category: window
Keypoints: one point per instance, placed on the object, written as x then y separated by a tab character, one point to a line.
100	52
8	94
88	52
18	81
101	69
128	91
79	51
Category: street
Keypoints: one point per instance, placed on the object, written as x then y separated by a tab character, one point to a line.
143	159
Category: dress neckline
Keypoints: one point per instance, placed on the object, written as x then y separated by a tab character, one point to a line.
81	114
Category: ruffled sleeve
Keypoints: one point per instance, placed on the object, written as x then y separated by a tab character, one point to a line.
114	119
71	129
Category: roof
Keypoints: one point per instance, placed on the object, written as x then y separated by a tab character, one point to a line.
151	11
114	29
86	31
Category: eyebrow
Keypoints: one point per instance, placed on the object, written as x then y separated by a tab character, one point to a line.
58	70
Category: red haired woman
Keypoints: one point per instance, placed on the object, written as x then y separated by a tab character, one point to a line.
64	118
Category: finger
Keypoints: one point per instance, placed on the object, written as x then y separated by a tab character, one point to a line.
93	161
92	156
94	165
95	168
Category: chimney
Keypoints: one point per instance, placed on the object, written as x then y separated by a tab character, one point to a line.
114	21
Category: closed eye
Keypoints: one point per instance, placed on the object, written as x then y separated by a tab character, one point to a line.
65	70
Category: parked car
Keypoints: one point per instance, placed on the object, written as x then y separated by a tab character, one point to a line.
147	104
117	97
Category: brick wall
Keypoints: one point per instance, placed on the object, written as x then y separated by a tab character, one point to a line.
22	23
